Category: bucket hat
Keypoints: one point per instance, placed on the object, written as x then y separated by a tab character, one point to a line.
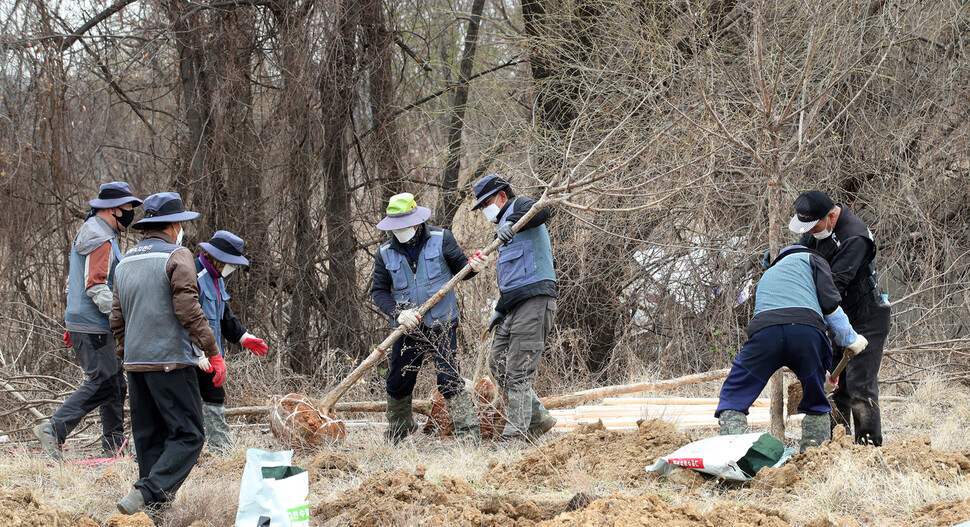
403	211
114	194
226	247
164	207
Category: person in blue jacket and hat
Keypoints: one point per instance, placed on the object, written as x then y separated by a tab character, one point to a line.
526	307
410	268
94	255
218	258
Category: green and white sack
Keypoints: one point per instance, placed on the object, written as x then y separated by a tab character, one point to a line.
273	493
737	457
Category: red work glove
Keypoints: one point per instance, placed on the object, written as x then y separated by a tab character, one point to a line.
67	339
254	344
218	365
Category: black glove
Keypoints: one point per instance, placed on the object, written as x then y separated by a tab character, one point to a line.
505	233
496	319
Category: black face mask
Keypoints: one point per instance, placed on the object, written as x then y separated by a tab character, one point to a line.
127	216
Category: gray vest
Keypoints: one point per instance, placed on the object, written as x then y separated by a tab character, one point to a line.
82	313
415	288
788	284
526	259
153	333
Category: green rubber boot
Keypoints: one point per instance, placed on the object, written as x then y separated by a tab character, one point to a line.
400	421
462	413
216	427
518	414
542	421
816	429
733	422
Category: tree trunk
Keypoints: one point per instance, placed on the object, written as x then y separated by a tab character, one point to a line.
337	83
451	198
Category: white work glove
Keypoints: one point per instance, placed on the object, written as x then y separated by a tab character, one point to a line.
409	318
858	346
204	363
478	261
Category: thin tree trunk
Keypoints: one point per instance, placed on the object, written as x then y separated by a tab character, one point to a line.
450	197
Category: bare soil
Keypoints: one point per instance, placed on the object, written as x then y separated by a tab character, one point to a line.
594	449
910	455
19	508
400	498
652	510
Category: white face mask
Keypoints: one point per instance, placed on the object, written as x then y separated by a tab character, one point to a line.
824	233
404	235
180	236
228	269
491	213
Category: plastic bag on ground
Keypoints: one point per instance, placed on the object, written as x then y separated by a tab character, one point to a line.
736	457
273	493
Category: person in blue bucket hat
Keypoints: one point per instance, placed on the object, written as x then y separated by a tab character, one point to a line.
94	255
409	268
526	308
163	336
218	258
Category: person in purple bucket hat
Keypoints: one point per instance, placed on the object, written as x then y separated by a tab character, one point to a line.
218	258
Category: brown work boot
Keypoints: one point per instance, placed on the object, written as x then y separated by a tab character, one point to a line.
44	433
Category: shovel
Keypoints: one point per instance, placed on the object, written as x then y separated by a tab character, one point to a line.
831	384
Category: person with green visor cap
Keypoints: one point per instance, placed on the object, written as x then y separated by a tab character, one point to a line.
409	268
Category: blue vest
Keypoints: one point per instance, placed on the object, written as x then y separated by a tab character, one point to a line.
213	308
81	310
526	259
413	289
787	284
153	332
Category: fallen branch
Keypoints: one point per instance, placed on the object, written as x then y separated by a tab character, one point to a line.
558	401
17	395
420	406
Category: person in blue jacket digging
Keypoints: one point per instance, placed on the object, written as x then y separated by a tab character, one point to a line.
795	303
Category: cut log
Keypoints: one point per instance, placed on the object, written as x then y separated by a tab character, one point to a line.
558	401
419	406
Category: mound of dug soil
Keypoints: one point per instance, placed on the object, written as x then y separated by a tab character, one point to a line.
402	498
943	513
19	508
651	510
911	455
593	449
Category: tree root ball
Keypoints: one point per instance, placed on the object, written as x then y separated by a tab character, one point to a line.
296	420
489	407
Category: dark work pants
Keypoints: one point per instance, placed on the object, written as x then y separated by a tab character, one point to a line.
210	393
407	355
804	349
166	423
105	389
858	393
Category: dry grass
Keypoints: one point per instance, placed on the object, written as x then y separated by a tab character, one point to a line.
848	487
